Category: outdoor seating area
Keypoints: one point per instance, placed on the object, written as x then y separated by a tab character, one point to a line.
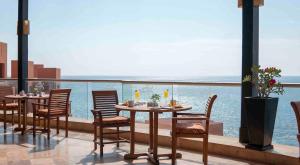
108	128
106	115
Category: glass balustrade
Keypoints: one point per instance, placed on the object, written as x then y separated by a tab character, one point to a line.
226	108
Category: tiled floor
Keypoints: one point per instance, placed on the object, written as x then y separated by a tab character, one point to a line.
78	149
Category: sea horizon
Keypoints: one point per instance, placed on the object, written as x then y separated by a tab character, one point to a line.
221	78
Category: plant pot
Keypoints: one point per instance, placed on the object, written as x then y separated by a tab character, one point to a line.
152	104
260	116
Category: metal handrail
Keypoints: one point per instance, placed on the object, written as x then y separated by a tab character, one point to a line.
228	84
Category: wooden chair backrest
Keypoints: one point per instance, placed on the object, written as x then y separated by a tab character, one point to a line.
209	105
296	107
208	108
59	101
4	91
105	102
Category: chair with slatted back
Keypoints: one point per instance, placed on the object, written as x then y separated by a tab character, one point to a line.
296	107
58	106
7	105
190	125
105	115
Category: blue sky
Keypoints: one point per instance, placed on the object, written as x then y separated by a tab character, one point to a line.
152	37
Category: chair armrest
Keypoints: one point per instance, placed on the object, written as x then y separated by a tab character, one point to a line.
97	112
190	114
189	118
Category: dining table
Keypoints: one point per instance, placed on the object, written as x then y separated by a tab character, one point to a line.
154	112
23	102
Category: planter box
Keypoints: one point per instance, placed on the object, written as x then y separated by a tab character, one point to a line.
260	116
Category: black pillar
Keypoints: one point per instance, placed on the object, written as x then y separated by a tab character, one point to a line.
22	30
250	57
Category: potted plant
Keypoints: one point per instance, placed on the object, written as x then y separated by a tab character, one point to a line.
261	110
154	100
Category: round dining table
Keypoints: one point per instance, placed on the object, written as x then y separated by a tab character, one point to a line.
154	112
23	100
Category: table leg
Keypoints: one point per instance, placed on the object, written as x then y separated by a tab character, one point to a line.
155	137
19	113
24	117
39	107
154	156
132	131
150	132
19	128
131	154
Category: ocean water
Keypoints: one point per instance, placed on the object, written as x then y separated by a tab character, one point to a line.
226	109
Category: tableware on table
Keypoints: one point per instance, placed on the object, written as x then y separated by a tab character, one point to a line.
163	107
130	103
14	90
22	93
173	103
178	106
165	96
137	95
151	104
42	94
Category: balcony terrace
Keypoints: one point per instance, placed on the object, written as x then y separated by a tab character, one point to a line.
92	37
222	149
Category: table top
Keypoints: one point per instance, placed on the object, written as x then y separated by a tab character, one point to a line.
26	97
145	108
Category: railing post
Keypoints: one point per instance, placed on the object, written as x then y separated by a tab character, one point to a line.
250	57
23	32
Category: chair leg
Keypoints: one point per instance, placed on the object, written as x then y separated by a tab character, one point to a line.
57	125
205	150
48	129
174	145
101	140
39	120
67	126
95	137
4	120
118	137
45	124
19	117
33	125
12	117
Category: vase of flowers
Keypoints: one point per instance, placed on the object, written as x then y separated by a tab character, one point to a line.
261	110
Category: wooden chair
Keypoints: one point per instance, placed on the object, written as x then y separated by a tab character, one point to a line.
105	115
58	106
296	107
192	127
7	104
